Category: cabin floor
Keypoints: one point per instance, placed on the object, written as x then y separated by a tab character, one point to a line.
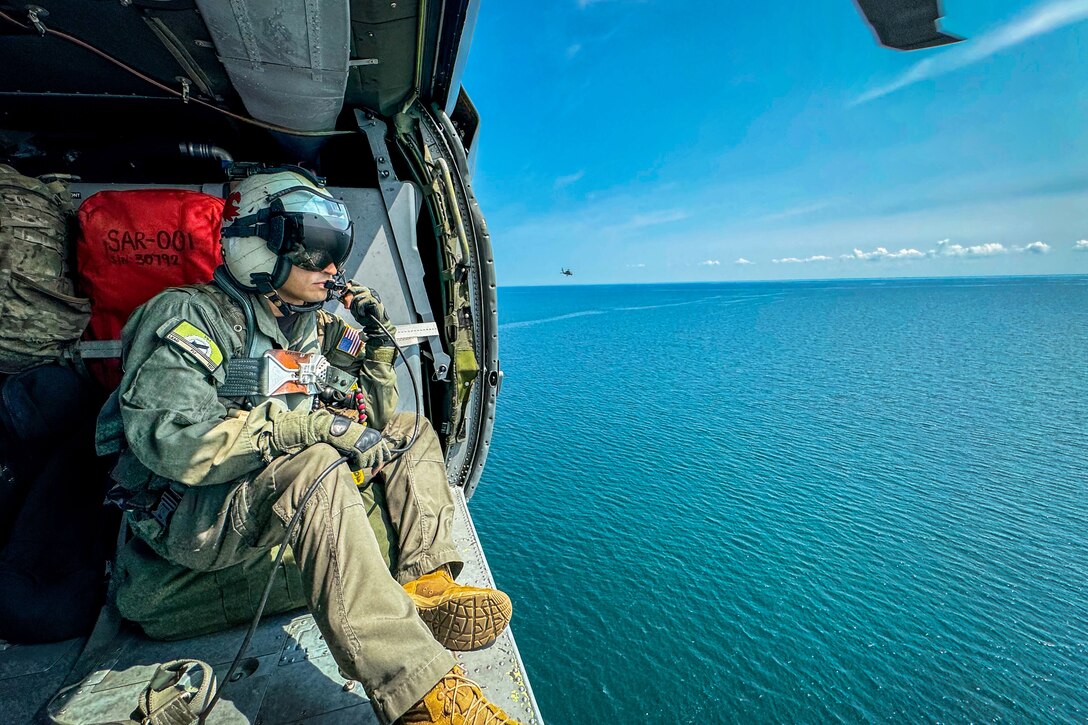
286	676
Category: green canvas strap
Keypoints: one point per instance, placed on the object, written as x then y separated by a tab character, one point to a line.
177	694
456	257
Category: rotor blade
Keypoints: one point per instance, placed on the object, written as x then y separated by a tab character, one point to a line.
906	24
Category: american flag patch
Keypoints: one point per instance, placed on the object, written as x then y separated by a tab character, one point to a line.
350	342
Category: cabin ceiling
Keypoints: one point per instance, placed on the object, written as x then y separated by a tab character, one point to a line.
246	56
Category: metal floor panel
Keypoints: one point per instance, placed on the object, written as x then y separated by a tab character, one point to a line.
29	675
287	675
498	669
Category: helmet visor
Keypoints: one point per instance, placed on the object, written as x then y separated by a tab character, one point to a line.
316	241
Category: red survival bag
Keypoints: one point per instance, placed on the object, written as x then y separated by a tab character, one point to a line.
133	245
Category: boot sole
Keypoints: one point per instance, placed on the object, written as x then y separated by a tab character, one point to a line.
466	621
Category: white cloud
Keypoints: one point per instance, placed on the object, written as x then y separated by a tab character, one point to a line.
1039	20
799	210
709	263
806	260
565	181
573	50
881	253
651	218
640	265
1081	246
742	260
946	249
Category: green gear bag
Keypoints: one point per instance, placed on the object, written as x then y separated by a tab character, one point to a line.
171	602
42	315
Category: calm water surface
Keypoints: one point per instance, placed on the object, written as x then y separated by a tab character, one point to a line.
796	502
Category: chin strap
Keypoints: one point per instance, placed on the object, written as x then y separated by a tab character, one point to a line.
287	307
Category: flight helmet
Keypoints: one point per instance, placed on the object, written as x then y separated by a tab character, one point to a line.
276	218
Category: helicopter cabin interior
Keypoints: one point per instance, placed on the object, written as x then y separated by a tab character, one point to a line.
183	94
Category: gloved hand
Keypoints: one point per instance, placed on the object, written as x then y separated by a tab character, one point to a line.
364	447
365	306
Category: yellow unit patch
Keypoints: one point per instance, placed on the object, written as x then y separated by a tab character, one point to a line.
198	343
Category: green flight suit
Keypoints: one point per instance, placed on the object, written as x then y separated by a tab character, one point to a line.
238	492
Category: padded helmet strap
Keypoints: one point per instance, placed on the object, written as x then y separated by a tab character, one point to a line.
265	282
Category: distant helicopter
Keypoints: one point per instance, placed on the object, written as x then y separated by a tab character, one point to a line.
567	272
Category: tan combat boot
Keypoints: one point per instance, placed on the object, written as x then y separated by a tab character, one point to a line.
455	700
462	618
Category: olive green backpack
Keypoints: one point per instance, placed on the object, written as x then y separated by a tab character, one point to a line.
41	317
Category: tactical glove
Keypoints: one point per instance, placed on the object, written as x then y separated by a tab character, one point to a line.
365	307
364	447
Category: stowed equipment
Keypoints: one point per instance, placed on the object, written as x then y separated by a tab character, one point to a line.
43	316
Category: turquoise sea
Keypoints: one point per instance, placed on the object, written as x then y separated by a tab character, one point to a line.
859	501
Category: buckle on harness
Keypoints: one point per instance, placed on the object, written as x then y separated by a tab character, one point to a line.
287	371
168	504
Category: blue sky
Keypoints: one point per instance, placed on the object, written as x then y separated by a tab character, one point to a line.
652	141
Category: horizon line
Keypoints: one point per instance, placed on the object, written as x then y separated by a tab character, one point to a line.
806	279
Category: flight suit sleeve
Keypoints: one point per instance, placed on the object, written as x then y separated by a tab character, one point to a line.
378	380
173	419
371	363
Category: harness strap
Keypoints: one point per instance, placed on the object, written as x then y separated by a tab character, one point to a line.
243	378
253	376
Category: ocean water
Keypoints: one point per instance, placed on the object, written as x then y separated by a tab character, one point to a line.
796	502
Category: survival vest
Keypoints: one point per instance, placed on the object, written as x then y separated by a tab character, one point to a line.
133	245
40	314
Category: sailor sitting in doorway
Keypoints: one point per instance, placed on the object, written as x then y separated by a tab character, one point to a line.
238	395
